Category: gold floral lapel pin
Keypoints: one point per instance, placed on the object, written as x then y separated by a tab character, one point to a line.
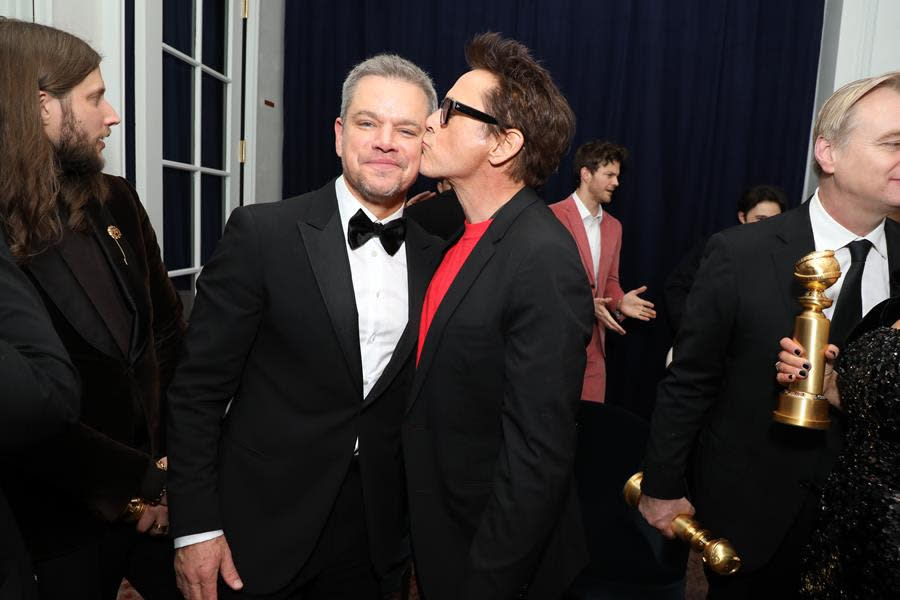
116	235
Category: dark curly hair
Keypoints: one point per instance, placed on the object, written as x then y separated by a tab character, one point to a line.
526	99
595	154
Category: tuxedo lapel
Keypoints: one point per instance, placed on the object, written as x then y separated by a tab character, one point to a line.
468	274
576	226
123	263
422	256
323	239
796	240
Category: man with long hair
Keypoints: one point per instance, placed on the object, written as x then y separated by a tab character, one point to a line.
90	501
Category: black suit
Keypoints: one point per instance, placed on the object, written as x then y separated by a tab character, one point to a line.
489	441
69	493
275	327
40	395
751	476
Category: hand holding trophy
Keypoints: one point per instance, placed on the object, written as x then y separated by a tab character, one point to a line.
719	554
803	404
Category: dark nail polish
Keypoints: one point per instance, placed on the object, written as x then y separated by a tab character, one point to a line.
791	377
797	352
806	366
802	373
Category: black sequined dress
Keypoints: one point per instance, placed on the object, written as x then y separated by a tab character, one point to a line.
854	551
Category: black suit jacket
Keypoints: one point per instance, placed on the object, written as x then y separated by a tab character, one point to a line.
275	328
67	489
489	440
750	475
39	395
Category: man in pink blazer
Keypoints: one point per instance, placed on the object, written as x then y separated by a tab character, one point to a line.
599	238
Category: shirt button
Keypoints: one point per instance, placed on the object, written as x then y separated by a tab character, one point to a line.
374	254
378	294
372	339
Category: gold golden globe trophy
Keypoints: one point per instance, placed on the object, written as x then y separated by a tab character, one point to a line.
803	404
719	554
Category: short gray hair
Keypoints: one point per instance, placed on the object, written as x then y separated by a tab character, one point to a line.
389	66
835	120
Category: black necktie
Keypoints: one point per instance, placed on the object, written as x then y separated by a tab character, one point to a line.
361	230
848	311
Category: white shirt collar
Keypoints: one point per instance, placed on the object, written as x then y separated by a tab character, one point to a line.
584	212
348	205
831	235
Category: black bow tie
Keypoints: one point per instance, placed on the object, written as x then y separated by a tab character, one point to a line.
361	230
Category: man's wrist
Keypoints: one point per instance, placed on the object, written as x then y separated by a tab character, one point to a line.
196	538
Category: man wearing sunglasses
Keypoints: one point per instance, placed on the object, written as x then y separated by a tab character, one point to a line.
489	439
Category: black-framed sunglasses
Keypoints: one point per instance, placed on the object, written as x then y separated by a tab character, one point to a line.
449	105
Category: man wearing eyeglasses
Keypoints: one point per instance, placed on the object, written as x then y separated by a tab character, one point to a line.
489	439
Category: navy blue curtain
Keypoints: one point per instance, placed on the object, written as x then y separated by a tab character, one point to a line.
709	97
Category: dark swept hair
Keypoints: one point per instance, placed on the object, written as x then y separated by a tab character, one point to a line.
525	98
762	193
595	154
36	58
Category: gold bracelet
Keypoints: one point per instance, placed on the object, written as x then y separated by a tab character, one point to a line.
135	509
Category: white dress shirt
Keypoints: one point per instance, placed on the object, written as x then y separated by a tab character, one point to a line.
592	230
831	235
381	288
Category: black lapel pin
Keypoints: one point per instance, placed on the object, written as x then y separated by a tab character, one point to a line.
115	234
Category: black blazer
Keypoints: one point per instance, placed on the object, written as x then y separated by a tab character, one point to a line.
39	395
750	475
489	441
274	330
67	489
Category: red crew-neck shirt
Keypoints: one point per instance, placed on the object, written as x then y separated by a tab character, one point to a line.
453	261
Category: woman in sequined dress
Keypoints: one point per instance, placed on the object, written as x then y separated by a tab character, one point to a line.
854	551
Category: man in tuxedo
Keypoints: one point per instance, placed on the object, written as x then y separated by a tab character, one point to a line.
753	480
489	439
598	236
284	424
40	396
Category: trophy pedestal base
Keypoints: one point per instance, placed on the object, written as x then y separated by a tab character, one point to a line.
802	410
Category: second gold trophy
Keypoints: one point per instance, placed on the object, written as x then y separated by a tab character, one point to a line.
802	404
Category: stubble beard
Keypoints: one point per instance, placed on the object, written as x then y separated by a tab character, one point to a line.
393	196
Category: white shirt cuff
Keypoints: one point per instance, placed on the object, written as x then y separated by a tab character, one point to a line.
196	538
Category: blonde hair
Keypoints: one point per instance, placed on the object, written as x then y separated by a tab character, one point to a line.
835	120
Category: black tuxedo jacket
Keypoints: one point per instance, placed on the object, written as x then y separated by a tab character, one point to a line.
489	440
39	395
65	490
274	330
750	474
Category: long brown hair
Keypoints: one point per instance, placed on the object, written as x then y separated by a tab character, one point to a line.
36	58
